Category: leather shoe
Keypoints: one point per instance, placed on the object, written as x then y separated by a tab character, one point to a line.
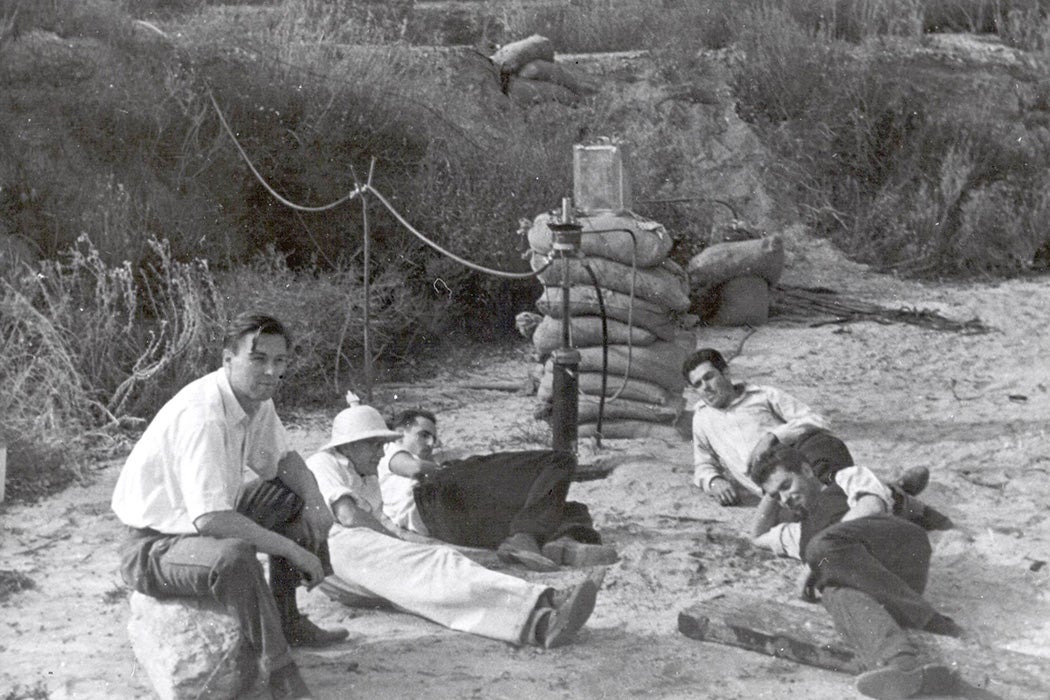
570	613
569	552
894	682
303	633
287	684
522	548
914	480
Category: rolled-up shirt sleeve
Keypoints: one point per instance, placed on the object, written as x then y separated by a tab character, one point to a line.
330	479
783	539
861	481
207	481
798	417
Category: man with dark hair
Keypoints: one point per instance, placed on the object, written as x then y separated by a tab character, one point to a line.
211	482
431	580
513	502
870	567
737	423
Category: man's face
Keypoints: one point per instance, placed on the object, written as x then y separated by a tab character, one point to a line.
256	367
364	455
420	438
715	387
796	491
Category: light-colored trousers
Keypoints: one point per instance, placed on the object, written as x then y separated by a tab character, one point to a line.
433	581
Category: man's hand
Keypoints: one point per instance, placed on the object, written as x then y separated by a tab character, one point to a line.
308	565
761	447
723	491
806	585
318	520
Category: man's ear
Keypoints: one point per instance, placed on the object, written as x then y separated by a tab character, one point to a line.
807	471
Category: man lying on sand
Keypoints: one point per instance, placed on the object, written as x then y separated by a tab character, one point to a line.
431	581
737	423
870	567
513	502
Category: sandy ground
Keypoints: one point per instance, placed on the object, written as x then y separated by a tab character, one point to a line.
973	408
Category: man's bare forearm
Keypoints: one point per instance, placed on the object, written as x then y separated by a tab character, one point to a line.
225	524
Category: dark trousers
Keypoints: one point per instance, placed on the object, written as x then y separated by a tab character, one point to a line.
481	500
825	453
828	455
872	572
227	570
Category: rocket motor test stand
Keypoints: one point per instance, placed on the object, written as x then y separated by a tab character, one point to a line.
566	239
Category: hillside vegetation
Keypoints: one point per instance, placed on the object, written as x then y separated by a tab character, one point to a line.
131	227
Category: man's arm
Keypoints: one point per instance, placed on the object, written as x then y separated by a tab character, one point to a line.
225	524
797	416
293	472
406	464
708	472
349	514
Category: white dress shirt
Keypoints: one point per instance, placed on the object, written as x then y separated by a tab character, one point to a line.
195	455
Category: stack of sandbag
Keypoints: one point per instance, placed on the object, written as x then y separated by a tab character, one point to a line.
529	74
643	383
731	281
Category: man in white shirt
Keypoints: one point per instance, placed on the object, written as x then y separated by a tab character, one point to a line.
432	581
870	567
736	423
211	482
514	502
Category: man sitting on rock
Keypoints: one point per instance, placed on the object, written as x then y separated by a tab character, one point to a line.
737	423
870	567
432	581
513	502
195	520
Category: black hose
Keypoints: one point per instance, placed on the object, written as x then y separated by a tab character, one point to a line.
605	351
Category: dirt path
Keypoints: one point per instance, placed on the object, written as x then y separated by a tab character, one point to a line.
973	408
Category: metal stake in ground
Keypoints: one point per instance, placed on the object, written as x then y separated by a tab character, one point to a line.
566	236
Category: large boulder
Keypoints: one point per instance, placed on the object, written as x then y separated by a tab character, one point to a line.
190	648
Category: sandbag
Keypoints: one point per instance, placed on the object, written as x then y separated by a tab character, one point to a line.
583	301
659	363
615	409
607	239
513	56
631	430
762	257
742	301
530	92
586	331
590	383
665	284
551	72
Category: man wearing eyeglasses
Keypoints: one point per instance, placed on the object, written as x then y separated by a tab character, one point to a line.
737	423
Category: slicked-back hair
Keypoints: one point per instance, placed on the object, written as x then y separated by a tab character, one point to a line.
777	457
407	418
700	357
253	324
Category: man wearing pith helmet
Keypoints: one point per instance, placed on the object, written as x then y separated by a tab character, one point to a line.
432	581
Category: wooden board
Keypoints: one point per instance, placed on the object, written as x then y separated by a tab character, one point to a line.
805	633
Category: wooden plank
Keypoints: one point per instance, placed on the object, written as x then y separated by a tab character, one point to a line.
805	634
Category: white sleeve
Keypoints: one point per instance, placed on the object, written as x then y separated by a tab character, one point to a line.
861	481
783	540
797	416
330	479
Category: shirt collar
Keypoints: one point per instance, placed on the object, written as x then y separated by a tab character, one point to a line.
234	411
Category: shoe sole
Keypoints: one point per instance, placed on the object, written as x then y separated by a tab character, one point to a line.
572	615
580	554
889	683
532	561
